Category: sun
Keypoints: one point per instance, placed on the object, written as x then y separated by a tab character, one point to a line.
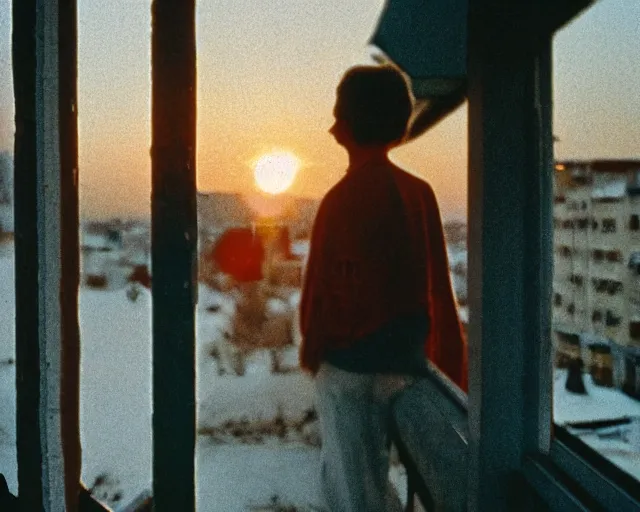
275	172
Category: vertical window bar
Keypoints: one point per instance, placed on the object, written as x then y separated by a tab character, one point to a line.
27	341
47	335
174	246
49	242
69	249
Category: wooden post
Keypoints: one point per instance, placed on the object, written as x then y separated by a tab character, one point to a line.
174	251
28	438
69	248
47	260
509	247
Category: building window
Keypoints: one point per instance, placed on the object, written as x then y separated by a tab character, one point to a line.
565	251
634	330
571	309
614	256
557	299
613	287
634	223
608	225
600	285
594	224
583	223
567	224
576	279
634	262
596	317
581	178
612	320
598	255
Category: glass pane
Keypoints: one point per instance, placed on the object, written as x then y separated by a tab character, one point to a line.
8	462
596	287
114	298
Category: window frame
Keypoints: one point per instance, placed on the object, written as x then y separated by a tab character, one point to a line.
555	470
567	478
509	290
609	225
517	308
44	48
608	486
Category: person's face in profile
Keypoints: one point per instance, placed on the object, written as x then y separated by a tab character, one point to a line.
340	129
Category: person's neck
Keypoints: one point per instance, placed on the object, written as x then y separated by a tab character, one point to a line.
365	155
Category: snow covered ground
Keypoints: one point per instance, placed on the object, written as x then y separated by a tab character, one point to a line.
257	443
620	444
242	458
600	403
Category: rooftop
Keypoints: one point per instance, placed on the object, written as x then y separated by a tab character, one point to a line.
600	165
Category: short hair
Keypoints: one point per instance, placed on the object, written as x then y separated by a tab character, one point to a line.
376	103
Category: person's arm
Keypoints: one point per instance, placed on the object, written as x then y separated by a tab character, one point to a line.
313	295
446	345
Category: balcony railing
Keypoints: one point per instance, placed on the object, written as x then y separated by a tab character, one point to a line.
431	418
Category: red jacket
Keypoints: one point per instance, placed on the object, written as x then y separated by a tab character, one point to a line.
378	252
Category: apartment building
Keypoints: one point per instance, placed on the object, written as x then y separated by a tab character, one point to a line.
596	284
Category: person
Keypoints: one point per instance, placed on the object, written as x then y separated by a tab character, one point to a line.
377	296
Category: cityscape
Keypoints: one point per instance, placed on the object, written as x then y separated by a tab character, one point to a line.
596	301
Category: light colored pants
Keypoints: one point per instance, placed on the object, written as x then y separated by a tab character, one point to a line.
354	411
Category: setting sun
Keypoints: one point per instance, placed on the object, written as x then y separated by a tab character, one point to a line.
275	172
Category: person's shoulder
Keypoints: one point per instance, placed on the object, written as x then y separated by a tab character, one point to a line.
340	192
413	182
330	196
331	200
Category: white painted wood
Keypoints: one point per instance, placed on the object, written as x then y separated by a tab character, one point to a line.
538	381
49	250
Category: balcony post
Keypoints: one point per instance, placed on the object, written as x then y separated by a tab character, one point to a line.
174	252
46	254
510	237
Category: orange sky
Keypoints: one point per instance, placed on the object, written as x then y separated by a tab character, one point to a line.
268	85
267	73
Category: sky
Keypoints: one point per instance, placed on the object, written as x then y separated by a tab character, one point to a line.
267	73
